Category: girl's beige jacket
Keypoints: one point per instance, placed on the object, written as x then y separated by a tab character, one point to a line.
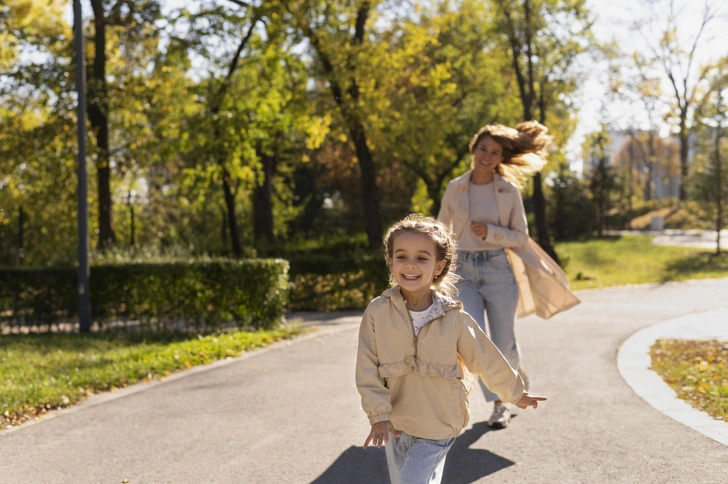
418	383
543	286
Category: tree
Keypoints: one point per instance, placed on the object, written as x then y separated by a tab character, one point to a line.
448	84
337	34
709	180
678	66
572	213
130	18
602	178
545	38
37	139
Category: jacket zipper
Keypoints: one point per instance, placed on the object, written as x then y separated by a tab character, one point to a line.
412	324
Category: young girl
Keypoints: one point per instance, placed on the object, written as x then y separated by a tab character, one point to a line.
417	348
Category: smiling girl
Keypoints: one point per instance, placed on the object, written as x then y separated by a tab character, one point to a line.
417	349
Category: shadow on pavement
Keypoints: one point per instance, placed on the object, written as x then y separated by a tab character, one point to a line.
357	465
466	465
463	464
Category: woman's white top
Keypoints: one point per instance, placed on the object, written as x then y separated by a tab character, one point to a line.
484	210
420	318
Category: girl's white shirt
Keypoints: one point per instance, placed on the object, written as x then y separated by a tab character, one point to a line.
420	318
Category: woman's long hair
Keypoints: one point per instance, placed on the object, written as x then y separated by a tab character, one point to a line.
524	148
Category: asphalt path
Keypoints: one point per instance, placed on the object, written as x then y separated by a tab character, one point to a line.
291	414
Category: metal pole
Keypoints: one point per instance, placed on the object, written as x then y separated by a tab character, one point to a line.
84	306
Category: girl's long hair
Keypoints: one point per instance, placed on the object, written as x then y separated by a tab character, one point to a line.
524	148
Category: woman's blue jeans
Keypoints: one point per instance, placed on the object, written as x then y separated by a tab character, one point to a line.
488	286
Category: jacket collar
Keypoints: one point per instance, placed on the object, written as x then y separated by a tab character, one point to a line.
442	303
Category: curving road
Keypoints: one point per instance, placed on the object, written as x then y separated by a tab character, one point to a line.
290	414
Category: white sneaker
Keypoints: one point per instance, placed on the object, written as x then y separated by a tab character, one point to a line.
501	416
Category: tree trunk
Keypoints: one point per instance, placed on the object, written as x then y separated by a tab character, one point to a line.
369	189
263	204
224	228
370	192
539	208
683	154
433	191
718	181
232	217
98	117
542	226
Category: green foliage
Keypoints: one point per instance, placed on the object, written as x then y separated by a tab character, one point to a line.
42	372
240	93
570	210
604	186
204	295
332	282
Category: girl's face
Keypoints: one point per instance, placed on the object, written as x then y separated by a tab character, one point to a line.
414	262
487	155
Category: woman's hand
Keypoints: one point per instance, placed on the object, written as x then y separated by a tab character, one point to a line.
481	230
529	401
379	434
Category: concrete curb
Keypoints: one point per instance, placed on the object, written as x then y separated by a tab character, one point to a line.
633	362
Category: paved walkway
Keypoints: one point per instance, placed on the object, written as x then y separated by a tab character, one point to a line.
705	239
291	414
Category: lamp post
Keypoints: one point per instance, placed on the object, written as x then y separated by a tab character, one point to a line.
84	306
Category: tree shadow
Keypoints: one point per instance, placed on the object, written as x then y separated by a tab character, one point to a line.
695	264
463	465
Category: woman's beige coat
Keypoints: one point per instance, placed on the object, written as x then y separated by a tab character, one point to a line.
543	285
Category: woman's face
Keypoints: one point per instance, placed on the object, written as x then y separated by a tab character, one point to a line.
487	155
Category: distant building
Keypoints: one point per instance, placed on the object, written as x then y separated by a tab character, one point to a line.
650	157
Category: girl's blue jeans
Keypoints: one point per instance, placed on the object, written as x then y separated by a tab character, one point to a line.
413	460
488	286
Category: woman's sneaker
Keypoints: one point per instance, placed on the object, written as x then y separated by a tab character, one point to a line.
501	416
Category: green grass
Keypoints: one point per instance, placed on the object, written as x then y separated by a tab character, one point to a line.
697	371
618	261
41	372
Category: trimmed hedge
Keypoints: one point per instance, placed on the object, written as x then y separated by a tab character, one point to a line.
333	283
204	295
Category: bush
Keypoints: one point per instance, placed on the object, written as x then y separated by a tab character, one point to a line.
331	283
571	213
201	294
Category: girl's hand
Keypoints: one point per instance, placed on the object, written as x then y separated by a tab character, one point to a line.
481	230
529	401
380	434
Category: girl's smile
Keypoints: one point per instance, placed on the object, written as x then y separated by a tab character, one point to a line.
414	266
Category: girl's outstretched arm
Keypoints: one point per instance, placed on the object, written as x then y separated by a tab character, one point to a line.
529	401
